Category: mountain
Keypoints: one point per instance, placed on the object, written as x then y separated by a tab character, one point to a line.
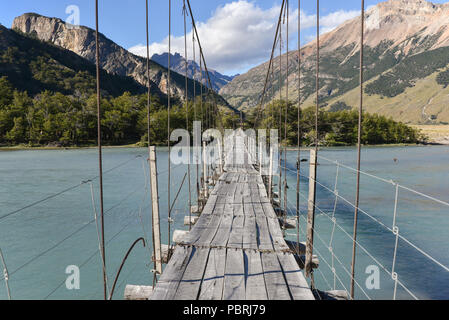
35	66
406	65
114	59
178	64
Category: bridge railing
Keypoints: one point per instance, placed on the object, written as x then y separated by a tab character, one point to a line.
393	248
39	239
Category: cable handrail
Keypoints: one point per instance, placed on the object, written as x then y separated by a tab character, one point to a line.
96	252
392	275
326	246
55	195
386	181
392	230
83	227
388	228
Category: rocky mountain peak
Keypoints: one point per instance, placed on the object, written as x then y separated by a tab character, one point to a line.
399	36
114	58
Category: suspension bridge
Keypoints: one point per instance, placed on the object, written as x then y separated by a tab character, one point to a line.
240	209
236	250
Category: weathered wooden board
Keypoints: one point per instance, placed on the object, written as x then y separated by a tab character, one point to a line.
250	230
276	285
236	236
172	275
212	286
210	231
296	282
255	281
189	286
234	280
264	239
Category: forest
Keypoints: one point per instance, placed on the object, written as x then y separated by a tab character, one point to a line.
58	120
335	128
55	119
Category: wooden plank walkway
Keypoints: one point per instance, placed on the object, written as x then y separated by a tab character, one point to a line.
236	250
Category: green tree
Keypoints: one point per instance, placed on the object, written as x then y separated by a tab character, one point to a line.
17	133
6	92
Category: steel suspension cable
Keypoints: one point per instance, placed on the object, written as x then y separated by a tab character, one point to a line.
123	263
100	155
311	221
63	191
168	124
261	102
298	161
286	117
77	231
201	88
92	255
94	207
273	94
5	274
148	74
359	149
204	61
195	116
184	9
148	122
280	112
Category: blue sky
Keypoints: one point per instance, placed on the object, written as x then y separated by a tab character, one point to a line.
230	47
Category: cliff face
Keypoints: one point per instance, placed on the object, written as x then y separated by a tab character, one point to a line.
35	66
396	32
397	21
114	58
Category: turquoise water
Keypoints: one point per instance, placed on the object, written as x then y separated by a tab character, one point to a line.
41	241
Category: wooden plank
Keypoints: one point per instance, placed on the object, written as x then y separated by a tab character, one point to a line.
169	281
276	235
222	236
236	236
212	286
297	284
274	278
269	211
198	229
255	281
205	187
238	196
234	280
210	205
270	176
249	228
209	233
311	213
274	228
138	292
189	286
264	239
156	229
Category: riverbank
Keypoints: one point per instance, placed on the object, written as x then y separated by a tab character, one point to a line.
137	145
25	147
437	134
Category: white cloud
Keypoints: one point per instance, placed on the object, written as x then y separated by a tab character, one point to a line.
240	34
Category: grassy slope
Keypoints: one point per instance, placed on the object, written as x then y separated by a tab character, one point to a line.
407	106
437	134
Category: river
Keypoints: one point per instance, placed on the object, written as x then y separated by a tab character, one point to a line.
39	242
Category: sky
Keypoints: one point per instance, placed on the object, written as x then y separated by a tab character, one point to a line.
236	34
